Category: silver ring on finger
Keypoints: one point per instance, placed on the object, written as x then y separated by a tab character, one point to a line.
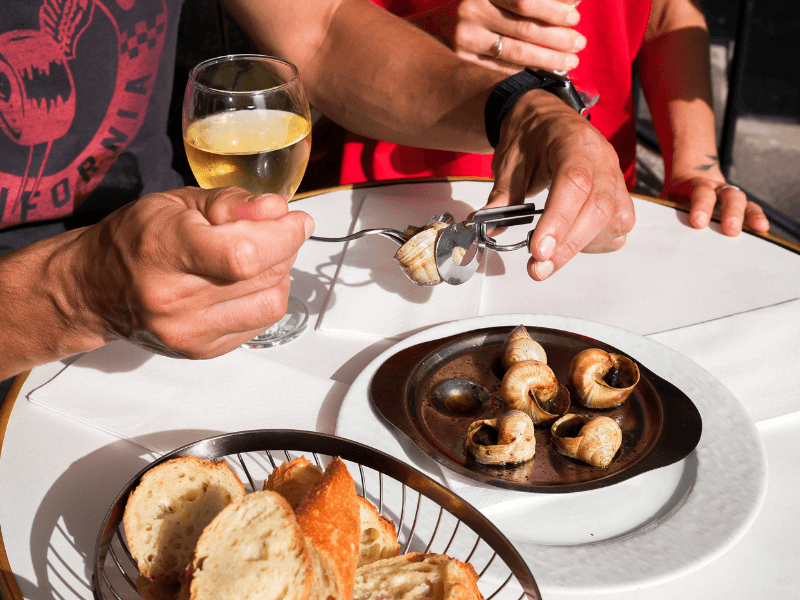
497	48
728	186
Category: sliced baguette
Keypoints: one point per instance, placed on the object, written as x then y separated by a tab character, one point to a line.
253	550
378	538
417	576
324	586
329	517
166	513
293	480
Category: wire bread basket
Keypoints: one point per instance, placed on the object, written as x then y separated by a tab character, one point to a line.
428	516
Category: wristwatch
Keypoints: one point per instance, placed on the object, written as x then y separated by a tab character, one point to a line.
511	89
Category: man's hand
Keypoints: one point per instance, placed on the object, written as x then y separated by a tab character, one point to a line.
702	193
544	143
189	273
535	33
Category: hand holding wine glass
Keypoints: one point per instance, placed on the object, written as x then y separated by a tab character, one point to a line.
247	123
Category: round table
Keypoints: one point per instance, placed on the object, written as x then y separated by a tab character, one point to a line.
58	475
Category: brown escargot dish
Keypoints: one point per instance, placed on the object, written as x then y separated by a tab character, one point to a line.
594	441
417	257
532	387
601	379
507	440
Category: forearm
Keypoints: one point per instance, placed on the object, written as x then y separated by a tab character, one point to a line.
676	82
40	320
374	73
674	69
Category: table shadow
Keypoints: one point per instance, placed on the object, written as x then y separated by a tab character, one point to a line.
68	520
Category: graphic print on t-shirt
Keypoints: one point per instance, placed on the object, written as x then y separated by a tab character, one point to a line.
74	90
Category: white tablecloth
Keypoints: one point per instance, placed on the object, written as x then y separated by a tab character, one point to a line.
674	284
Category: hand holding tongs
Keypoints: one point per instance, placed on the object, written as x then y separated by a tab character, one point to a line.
472	232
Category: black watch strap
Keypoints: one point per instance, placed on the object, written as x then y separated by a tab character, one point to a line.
511	89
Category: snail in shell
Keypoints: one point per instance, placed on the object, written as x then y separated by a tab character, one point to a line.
508	439
532	387
594	441
519	346
417	257
601	379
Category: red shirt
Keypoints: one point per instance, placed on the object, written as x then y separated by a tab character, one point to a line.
614	30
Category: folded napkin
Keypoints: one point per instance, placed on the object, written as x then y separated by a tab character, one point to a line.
163	403
372	296
761	369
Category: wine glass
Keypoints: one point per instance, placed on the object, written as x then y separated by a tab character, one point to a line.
247	122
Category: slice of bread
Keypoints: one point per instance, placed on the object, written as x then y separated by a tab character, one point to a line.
294	479
417	576
324	586
378	537
166	513
253	550
329	517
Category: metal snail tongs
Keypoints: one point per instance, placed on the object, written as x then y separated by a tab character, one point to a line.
472	235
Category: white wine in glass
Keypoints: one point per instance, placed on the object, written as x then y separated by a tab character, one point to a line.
247	122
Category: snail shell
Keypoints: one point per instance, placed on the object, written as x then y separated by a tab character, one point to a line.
519	346
595	443
532	387
516	441
417	257
587	376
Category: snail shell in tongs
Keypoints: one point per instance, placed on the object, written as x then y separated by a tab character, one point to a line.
600	379
507	440
532	387
519	346
417	257
594	441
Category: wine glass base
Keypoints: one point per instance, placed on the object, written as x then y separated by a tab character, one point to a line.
289	327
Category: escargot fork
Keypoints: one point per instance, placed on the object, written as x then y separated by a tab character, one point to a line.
401	237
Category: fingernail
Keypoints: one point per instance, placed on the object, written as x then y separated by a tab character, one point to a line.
546	246
309	226
573	16
543	269
700	220
571	62
732	227
580	44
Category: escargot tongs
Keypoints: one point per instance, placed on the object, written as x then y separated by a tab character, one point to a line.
470	235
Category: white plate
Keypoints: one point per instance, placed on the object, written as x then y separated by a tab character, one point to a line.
654	527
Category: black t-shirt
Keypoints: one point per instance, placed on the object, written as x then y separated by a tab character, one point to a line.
85	87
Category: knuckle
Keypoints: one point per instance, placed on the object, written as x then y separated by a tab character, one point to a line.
580	178
618	242
626	221
274	304
571	246
603	204
461	38
242	259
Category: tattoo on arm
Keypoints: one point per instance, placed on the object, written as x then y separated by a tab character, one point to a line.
708	167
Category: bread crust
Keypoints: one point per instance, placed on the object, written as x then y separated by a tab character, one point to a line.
166	513
329	516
